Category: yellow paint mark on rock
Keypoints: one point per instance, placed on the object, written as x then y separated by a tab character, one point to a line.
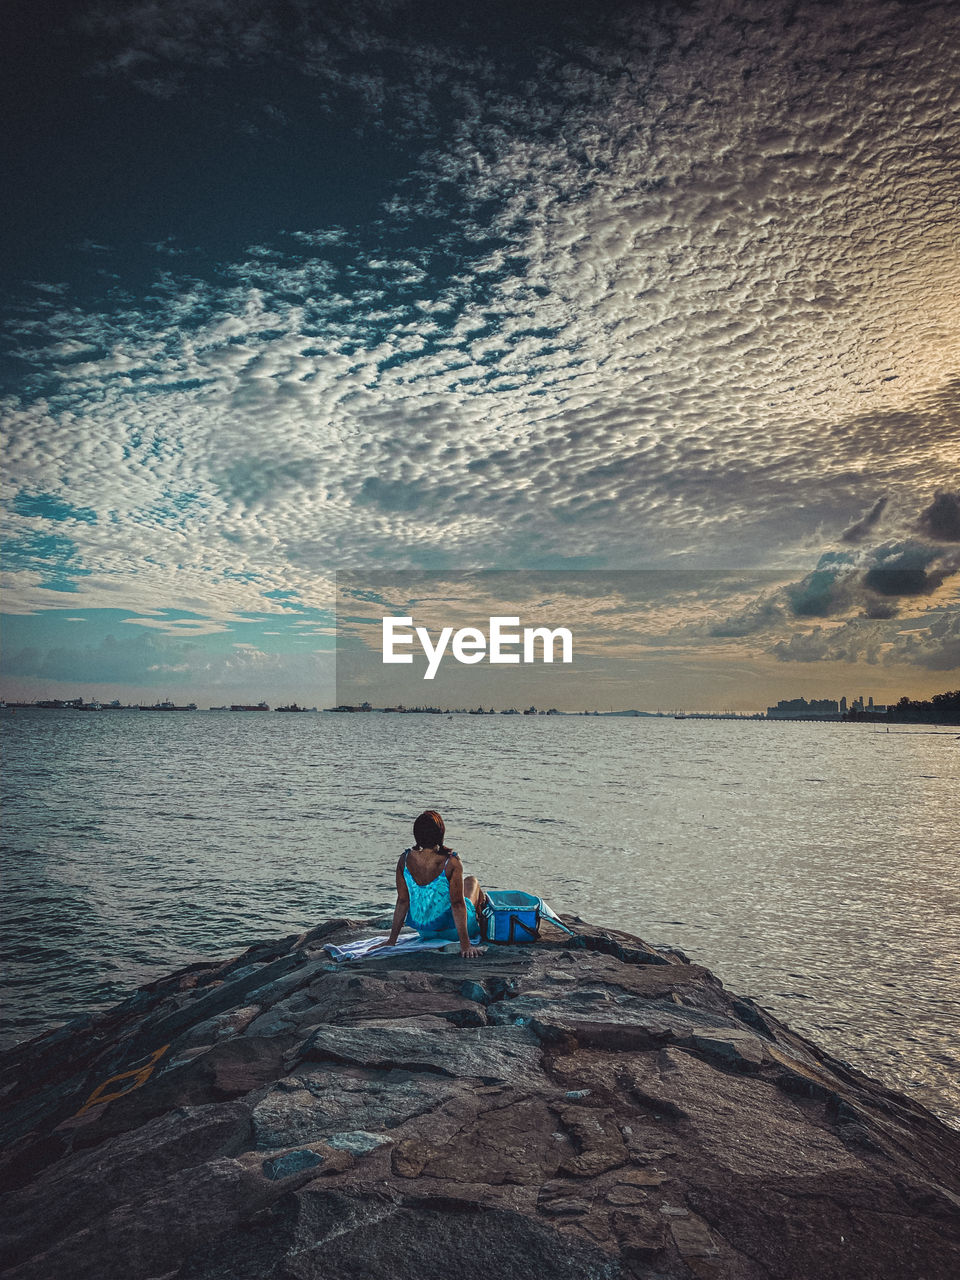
136	1076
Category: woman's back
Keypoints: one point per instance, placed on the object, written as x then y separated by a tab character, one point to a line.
425	875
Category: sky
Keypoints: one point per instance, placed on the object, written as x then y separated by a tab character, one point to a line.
294	290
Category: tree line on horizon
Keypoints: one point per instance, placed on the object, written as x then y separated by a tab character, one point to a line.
942	708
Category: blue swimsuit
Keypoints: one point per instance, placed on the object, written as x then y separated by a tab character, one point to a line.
430	912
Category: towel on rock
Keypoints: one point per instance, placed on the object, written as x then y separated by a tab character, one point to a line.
408	942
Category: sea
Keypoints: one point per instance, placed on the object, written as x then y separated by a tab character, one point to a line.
811	866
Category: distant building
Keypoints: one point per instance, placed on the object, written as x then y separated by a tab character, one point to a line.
798	708
843	706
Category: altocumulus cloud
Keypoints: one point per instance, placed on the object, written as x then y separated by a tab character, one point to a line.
656	287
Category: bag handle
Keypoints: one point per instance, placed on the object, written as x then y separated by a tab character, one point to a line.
552	916
516	922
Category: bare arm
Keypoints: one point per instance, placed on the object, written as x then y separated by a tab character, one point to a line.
458	908
402	907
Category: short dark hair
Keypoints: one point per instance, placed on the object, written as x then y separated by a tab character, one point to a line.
428	830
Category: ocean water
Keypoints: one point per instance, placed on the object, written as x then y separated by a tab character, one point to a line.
813	867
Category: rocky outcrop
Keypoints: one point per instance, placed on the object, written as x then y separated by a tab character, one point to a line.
579	1109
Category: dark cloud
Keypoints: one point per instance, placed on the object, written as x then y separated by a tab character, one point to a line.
862	593
830	590
941	520
905	570
880	609
857	532
906	580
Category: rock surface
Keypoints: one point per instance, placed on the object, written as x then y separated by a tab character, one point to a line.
589	1109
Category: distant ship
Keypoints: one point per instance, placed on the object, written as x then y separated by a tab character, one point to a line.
166	705
237	706
293	707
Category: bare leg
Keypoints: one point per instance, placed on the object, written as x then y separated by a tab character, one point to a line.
472	890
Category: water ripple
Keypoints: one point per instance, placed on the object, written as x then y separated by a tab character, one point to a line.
808	866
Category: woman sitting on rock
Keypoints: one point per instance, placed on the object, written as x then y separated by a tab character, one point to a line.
433	895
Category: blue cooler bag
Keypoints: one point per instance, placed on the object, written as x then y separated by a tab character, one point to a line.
512	916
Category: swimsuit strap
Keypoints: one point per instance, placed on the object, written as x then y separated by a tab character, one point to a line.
450	855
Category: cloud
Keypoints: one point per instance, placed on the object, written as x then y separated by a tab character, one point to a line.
844	583
761	615
880	609
941	520
856	590
153	660
908	569
829	590
931	643
853	641
180	626
857	532
673	289
120	661
935	647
